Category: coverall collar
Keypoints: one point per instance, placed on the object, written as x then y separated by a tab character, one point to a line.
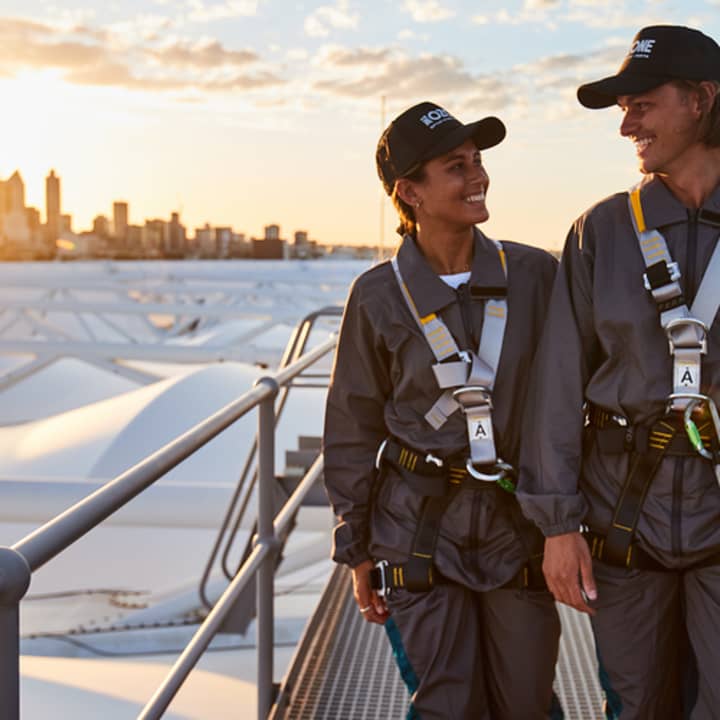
660	207
428	291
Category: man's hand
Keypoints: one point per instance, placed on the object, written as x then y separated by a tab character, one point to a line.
568	570
371	605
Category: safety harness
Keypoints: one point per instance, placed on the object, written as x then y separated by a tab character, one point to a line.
674	433
466	379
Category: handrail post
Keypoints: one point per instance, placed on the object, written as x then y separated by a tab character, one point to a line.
266	535
14	582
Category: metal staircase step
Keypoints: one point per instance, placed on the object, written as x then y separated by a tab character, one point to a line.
310	442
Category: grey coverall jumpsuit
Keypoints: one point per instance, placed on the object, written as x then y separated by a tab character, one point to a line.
478	651
603	344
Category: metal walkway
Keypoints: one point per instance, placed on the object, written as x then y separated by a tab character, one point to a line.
343	666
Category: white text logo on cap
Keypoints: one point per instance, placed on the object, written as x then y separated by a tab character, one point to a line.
435	117
642	48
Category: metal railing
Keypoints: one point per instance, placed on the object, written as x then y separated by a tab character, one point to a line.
239	503
19	561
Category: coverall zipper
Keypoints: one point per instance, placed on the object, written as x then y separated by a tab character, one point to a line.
465	302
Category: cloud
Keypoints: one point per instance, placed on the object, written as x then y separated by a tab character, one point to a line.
337	16
405	77
112	74
424	11
25	43
345	57
208	54
202	12
541	4
87	56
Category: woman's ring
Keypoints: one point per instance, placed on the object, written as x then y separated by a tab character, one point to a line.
366	609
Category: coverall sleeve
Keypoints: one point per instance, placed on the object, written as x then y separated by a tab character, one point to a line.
355	426
551	453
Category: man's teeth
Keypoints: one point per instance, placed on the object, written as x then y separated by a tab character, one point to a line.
642	143
479	197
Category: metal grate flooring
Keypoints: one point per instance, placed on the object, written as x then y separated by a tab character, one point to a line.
344	669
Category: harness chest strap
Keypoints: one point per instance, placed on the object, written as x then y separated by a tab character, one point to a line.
472	370
685	328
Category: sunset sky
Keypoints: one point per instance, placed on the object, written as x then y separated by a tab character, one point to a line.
246	112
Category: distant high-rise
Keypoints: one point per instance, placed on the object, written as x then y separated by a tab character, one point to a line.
3	204
272	232
101	226
176	237
120	220
15	194
15	223
52	208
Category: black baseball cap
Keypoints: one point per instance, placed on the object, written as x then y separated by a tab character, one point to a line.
423	132
658	54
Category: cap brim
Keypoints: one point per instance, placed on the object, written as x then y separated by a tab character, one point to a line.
485	133
605	92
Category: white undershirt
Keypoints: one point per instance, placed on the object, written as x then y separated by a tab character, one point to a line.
456	279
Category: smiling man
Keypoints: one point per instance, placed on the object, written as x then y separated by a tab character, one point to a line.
620	460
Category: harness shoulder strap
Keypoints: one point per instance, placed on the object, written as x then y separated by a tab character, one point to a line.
685	332
450	375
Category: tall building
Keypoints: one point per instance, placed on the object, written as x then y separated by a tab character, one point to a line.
15	223
52	209
3	203
272	232
176	237
15	194
120	220
101	226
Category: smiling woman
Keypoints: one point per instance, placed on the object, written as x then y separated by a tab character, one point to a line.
420	455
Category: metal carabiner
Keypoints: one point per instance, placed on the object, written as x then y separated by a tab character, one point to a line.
691	429
502	477
485	477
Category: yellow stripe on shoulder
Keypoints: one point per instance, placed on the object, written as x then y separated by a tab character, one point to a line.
637	210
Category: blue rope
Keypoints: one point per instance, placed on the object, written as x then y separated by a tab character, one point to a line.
403	662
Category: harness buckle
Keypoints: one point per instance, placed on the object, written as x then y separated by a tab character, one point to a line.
700	345
430	458
472	396
380	453
383	590
673	270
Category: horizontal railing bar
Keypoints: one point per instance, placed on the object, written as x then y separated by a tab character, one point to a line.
53	537
161	352
201	310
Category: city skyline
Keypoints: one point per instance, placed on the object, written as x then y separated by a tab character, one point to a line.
244	110
24	235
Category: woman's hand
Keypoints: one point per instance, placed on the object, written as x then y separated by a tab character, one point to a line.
371	605
568	570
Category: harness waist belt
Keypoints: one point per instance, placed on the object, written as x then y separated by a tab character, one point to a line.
414	577
637	558
614	435
432	476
